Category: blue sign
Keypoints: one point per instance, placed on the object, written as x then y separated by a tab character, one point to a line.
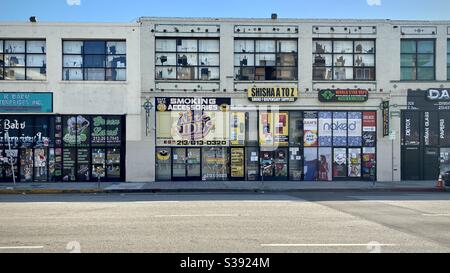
26	102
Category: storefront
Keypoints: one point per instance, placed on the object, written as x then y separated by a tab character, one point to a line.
425	134
211	140
40	148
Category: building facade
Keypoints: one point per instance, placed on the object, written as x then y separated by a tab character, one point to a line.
179	99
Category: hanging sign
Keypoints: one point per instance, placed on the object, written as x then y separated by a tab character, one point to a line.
386	118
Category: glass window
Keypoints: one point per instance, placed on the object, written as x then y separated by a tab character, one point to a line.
208	46
37	74
14	60
14	46
417	59
36	47
265	60
92	58
37	60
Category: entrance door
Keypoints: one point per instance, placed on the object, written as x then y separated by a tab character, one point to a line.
431	163
411	163
274	164
186	164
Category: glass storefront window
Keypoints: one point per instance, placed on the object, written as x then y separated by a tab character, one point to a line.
215	164
354	162
26	163
325	167
163	163
339	162
296	128
310	164
69	164
40	164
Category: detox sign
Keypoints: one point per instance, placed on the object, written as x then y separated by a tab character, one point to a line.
26	102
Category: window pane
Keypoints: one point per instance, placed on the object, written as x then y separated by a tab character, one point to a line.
343	60
116	47
343	46
36	47
94	74
425	47
408	46
12	46
286	73
73	60
244	46
38	74
322	46
408	74
287	59
94	47
1	46
287	46
322	73
71	47
323	60
166	73
448	59
244	73
365	47
265	46
72	74
15	60
94	61
365	74
165	59
425	74
343	74
209	73
14	73
209	59
116	74
425	60
1	73
265	59
448	73
408	60
116	61
208	46
166	45
187	73
365	60
186	45
244	59
186	59
36	60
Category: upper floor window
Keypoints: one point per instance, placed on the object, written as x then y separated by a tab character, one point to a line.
448	60
23	60
94	60
187	59
417	60
263	59
344	60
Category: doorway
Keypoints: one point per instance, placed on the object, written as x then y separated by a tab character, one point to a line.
186	164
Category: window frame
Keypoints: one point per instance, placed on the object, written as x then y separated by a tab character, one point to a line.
353	67
416	55
83	55
25	53
256	53
448	59
198	53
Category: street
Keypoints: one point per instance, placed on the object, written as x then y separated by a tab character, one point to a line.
226	223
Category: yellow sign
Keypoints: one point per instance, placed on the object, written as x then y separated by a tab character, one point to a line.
272	94
237	162
237	129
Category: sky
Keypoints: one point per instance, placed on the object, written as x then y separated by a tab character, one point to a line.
131	10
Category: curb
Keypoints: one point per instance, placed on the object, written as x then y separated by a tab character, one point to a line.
48	191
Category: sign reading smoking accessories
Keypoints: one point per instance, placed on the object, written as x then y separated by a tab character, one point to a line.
343	95
26	102
272	94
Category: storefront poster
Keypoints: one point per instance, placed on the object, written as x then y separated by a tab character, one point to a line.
369	164
325	128
340	162
369	129
26	102
311	162
266	136
310	129
272	94
192	122
237	130
76	131
325	167
354	129
354	162
340	128
237	162
281	128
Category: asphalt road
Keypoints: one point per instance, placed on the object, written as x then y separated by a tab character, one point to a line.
224	223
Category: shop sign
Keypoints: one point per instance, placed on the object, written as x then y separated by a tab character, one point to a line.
272	94
431	99
343	95
26	102
13	127
386	118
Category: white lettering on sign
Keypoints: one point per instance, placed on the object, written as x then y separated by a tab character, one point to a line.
13	125
442	128
438	94
408	127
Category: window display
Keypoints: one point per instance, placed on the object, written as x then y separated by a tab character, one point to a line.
310	164
325	161
354	162
310	129
69	163
215	164
83	158
339	162
40	164
369	164
295	164
26	162
340	128
237	163
325	128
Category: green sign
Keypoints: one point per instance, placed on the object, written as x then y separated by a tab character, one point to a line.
343	95
26	102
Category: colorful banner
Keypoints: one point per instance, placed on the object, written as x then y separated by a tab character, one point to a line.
369	129
310	129
237	129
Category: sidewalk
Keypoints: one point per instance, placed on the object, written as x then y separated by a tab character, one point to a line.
201	186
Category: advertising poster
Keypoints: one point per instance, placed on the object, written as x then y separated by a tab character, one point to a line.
369	129
369	164
237	129
76	131
411	125
325	128
266	136
354	162
340	128
237	162
280	161
192	122
354	129
310	129
267	163
281	129
325	167
340	162
310	167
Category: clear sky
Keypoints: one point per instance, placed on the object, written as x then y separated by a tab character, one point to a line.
130	10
